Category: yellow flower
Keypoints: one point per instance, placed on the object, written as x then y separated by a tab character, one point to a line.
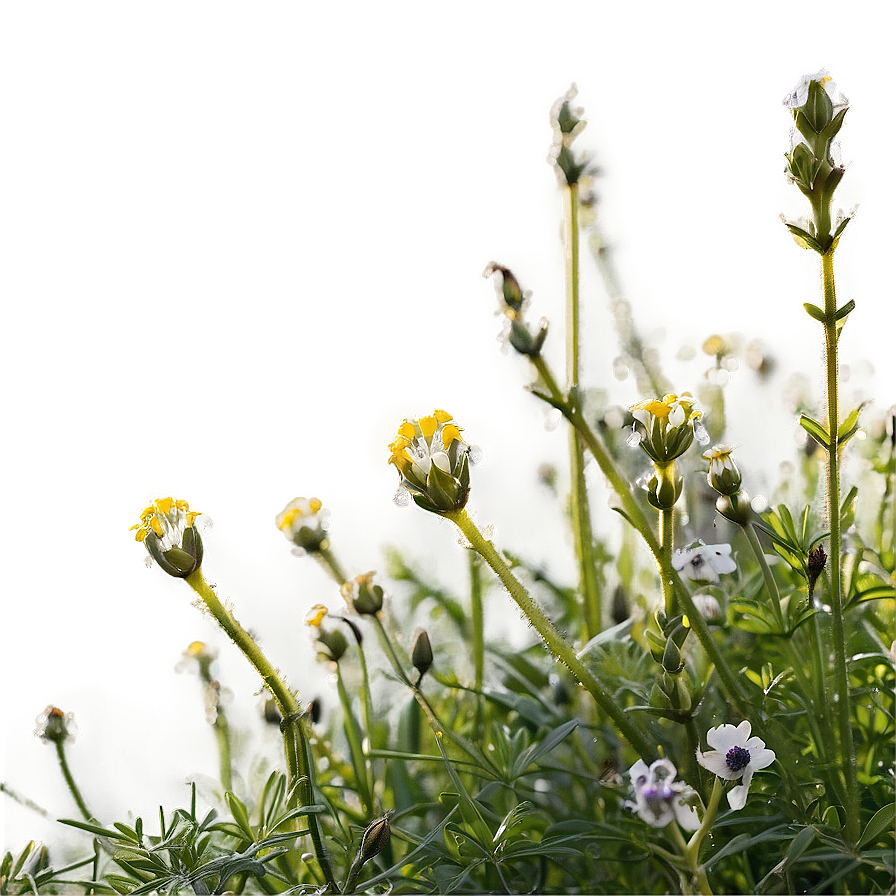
304	522
167	531
668	425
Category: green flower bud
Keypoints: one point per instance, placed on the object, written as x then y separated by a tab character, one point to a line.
421	652
362	595
167	531
55	726
735	508
723	474
304	522
376	838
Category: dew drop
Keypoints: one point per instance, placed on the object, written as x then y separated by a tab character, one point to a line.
552	420
476	455
401	498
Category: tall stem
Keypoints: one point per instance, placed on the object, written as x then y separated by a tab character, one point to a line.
478	623
666	543
841	674
579	507
294	740
70	781
555	642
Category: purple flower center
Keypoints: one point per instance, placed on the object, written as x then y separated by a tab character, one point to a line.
737	758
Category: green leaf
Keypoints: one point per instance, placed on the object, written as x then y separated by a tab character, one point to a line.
814	311
880	822
240	816
534	752
845	310
816	430
849	426
94	829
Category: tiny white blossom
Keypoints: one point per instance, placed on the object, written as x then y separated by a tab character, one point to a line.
735	756
704	562
798	97
659	798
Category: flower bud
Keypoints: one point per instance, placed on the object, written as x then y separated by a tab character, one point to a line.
376	838
362	595
735	508
421	652
723	474
332	643
665	427
664	487
815	566
304	522
55	726
167	531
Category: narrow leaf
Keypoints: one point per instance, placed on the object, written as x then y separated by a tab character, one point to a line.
814	311
816	430
880	822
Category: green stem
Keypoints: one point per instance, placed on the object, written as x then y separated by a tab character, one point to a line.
328	561
770	585
478	622
222	735
555	642
70	781
580	510
841	674
294	741
667	520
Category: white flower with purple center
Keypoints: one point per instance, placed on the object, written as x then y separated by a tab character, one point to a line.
704	562
735	755
659	798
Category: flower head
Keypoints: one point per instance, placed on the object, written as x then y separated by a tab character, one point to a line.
799	96
167	531
304	522
433	462
362	595
723	474
56	726
659	798
331	643
704	562
735	756
665	427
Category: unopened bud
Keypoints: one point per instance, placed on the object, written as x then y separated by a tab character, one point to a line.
376	838
815	566
421	652
362	595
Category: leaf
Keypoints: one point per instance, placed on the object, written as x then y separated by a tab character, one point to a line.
94	829
850	425
800	843
845	310
534	752
816	430
880	822
240	816
814	311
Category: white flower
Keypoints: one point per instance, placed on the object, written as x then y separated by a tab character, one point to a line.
704	562
735	755
708	606
659	799
798	97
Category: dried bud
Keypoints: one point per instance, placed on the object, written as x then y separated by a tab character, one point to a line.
815	566
376	838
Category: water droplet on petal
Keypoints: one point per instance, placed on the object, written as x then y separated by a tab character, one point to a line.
401	498
552	420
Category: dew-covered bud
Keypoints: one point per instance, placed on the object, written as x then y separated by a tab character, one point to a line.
55	726
168	534
421	652
362	595
723	474
304	522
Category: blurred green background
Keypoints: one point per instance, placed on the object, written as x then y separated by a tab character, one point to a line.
240	243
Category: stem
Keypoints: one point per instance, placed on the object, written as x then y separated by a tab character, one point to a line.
477	619
666	544
841	674
328	561
70	781
294	741
222	735
555	642
770	585
580	511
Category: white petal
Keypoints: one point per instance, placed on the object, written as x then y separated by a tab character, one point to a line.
638	770
676	416
719	559
762	759
743	731
737	797
687	816
714	761
724	737
440	459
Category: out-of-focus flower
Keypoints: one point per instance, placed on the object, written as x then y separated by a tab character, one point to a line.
421	652
799	96
167	531
304	522
362	595
659	798
735	756
512	304
723	474
56	726
708	606
331	643
200	653
704	562
665	427
433	462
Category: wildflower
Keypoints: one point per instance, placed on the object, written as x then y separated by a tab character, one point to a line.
432	461
735	756
659	799
362	595
331	643
704	562
723	474
167	531
56	726
799	96
202	654
708	606
665	427
304	522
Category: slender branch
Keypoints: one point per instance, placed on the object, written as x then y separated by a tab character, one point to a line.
70	781
555	642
